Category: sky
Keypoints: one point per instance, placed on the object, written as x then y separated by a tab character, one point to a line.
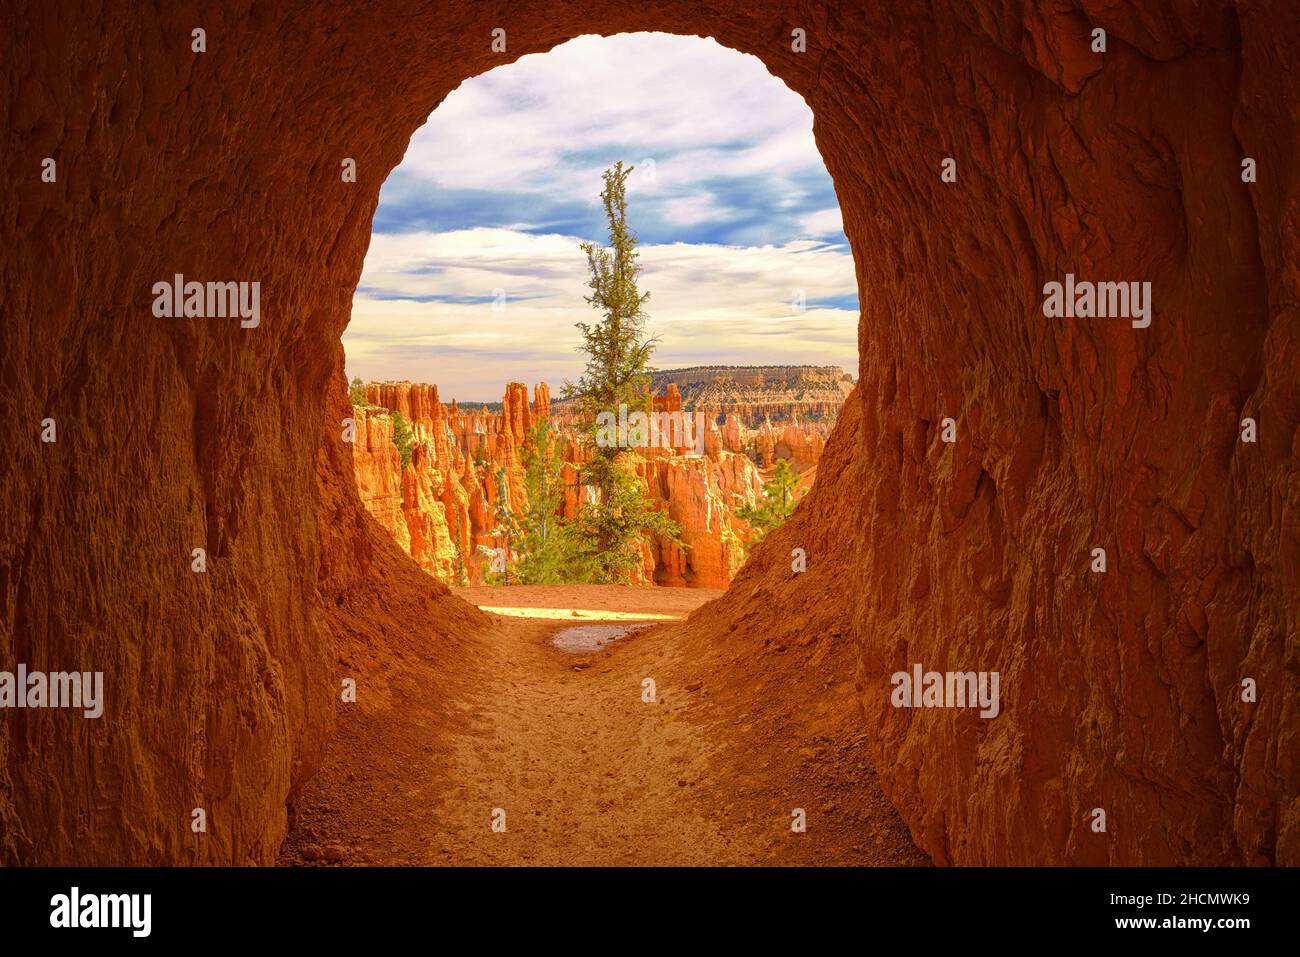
475	278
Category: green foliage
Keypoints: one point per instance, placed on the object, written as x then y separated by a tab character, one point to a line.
462	573
507	531
403	438
778	503
358	392
618	354
617	373
552	550
613	526
539	546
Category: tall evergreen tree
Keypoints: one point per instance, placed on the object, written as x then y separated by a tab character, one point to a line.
551	551
403	438
507	531
617	374
777	505
357	391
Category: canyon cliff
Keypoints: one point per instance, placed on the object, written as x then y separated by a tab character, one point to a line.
756	393
444	508
1121	691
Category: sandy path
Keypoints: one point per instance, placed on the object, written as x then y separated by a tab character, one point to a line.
586	771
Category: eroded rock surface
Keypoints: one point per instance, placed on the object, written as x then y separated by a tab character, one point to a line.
1121	691
444	508
756	393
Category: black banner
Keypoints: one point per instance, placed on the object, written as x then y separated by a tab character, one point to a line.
148	907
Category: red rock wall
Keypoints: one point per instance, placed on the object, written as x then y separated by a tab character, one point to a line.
377	467
1120	691
447	495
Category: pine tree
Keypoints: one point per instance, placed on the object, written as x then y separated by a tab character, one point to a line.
551	551
617	374
403	438
461	572
507	531
778	503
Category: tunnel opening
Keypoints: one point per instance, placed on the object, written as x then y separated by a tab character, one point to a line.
472	297
782	288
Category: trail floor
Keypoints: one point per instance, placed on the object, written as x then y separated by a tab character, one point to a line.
586	771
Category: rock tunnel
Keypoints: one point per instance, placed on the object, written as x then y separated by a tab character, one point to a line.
1121	690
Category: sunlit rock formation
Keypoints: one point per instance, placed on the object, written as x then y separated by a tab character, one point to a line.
444	509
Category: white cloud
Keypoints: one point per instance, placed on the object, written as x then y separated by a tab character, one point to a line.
522	125
548	125
687	279
688	210
828	222
709	304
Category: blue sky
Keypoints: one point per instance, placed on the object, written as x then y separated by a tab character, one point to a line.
474	276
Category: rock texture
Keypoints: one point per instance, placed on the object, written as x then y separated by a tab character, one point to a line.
1121	691
443	509
760	392
377	466
701	494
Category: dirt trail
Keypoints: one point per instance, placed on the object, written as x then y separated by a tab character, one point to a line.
586	771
